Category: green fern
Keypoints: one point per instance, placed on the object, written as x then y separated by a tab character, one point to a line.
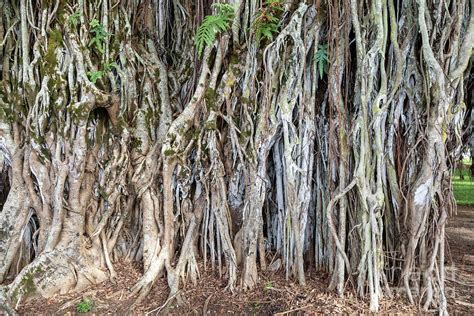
99	35
74	19
214	24
108	66
95	75
267	21
322	60
266	30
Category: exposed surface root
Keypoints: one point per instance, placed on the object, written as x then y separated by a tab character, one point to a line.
320	133
51	274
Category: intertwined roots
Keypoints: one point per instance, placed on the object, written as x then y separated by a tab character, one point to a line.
328	139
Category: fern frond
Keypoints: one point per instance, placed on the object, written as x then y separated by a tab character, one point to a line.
321	59
267	20
212	25
224	8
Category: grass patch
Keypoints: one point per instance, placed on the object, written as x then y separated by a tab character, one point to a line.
463	189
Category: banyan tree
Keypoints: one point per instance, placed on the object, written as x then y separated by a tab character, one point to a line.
173	132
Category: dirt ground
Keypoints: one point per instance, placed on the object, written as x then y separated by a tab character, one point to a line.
460	263
274	295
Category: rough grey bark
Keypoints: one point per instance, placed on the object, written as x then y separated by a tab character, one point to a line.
118	140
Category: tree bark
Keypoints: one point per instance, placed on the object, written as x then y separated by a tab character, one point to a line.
325	139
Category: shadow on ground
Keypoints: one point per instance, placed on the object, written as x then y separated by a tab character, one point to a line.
274	294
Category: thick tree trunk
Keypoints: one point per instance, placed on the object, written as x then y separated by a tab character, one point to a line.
325	139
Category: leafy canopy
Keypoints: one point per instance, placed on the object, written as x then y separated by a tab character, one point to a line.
213	24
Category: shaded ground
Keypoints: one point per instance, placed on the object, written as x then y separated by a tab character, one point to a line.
460	267
210	297
274	294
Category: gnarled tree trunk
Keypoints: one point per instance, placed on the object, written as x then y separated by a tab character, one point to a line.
327	139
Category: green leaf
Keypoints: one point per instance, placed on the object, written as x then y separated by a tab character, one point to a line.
74	19
321	59
110	66
84	306
212	25
94	23
95	75
267	20
100	35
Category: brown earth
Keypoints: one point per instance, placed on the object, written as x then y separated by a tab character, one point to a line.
460	263
274	295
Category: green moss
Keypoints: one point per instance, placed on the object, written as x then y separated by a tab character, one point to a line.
136	143
172	137
61	13
3	234
210	125
55	36
85	306
169	152
46	153
115	43
39	139
190	134
78	113
236	120
245	135
245	100
6	112
196	134
55	86
15	295
211	98
250	154
49	58
27	284
149	116
234	59
184	173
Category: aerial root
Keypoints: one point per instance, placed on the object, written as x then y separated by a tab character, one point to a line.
144	285
5	302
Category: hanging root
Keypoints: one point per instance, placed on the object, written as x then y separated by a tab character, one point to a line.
5	302
322	132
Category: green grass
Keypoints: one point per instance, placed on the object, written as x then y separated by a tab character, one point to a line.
463	189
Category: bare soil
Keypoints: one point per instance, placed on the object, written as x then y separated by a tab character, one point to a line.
274	294
460	261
